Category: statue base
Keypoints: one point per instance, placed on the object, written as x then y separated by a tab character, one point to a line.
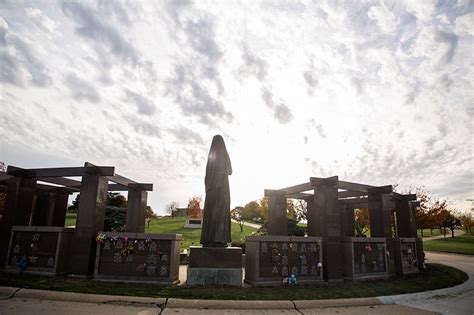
215	266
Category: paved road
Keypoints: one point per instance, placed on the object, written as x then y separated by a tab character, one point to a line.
459	300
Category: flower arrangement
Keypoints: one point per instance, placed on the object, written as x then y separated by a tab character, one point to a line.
100	238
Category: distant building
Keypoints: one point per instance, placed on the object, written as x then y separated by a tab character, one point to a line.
181	212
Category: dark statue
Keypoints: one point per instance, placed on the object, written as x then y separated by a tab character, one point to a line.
215	230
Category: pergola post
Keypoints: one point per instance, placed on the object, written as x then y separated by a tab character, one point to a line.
58	216
313	218
405	218
277	221
90	220
327	206
20	197
136	207
347	220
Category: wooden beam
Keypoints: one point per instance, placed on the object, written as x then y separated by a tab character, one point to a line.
352	201
401	196
348	194
354	186
381	190
296	189
329	181
66	190
137	186
300	196
270	192
63	171
62	181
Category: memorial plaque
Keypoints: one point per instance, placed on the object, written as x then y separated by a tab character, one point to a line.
270	259
36	249
369	257
408	254
281	259
137	257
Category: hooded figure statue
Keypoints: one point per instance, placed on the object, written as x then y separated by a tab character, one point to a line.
215	230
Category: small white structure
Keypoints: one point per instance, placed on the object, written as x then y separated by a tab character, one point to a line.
195	223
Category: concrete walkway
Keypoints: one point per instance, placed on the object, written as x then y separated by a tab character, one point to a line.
253	225
437	237
456	300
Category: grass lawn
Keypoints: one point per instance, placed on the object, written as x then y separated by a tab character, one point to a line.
463	244
435	277
168	225
70	219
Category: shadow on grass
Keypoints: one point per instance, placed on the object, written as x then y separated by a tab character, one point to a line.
434	277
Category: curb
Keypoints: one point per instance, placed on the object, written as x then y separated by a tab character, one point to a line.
230	304
302	304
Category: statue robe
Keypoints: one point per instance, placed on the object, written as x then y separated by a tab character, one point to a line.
215	230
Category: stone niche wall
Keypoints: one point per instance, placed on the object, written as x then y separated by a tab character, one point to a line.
364	258
406	261
270	259
39	250
137	257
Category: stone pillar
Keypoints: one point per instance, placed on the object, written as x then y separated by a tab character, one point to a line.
380	220
20	196
277	221
40	208
347	220
405	218
60	208
327	206
90	221
136	206
314	218
379	213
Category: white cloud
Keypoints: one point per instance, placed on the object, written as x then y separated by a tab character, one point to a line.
360	90
383	17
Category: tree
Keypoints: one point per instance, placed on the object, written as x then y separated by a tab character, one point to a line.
361	221
194	207
291	210
251	211
75	204
451	221
263	208
116	200
115	219
236	214
171	208
301	207
466	221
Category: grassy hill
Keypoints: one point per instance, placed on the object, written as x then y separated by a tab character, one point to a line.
462	244
168	225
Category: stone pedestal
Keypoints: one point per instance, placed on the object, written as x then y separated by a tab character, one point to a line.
215	266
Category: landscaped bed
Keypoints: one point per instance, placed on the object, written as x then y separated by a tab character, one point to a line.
435	277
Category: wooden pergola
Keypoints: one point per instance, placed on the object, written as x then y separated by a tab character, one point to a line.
330	213
39	196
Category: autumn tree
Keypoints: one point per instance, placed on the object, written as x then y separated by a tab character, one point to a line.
236	214
116	200
194	207
301	207
263	208
361	221
466	221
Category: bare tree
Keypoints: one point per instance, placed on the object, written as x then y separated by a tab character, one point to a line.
171	208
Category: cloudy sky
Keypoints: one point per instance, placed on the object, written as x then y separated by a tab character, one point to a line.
378	92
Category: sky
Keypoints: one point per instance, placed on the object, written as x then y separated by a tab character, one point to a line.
376	92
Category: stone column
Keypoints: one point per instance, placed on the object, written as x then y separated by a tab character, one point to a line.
347	220
313	218
135	217
405	219
90	220
20	196
277	221
60	208
327	205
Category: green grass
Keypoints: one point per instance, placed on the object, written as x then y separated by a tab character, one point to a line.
462	244
168	225
435	277
70	219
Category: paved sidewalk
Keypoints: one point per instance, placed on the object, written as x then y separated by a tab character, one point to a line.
437	237
456	300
